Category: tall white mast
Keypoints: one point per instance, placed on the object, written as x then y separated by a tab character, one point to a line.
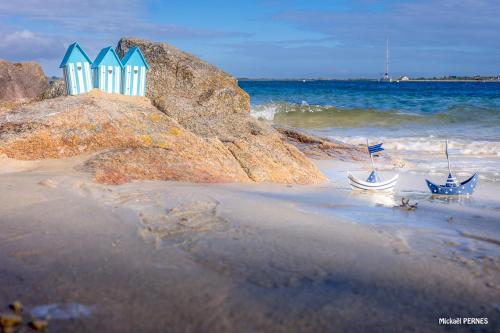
387	57
448	157
371	156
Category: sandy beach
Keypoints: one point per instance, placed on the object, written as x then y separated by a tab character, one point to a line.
250	167
186	257
201	167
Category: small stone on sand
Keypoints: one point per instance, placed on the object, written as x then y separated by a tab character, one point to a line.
48	183
16	306
8	320
39	325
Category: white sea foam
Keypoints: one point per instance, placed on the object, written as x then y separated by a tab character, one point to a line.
269	110
266	111
430	144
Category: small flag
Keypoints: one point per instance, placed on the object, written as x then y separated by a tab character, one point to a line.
375	148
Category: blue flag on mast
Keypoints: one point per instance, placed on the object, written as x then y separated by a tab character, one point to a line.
375	148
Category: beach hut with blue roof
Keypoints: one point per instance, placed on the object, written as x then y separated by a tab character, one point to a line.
135	69
76	66
107	69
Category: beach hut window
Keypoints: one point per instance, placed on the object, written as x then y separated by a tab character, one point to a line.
110	71
79	68
135	71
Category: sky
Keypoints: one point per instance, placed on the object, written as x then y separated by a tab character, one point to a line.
270	39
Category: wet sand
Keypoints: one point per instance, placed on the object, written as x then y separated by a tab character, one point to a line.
180	257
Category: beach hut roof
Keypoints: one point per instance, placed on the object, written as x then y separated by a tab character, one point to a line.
102	55
131	52
70	50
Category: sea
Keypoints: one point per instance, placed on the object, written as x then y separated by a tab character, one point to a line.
412	119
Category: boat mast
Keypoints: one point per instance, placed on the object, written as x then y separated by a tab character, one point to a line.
447	157
371	156
387	57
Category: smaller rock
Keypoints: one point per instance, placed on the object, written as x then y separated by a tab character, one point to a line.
56	88
405	204
17	307
21	82
39	324
48	183
321	148
8	321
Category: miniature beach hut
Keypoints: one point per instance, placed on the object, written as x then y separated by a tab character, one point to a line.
135	68
107	69
76	70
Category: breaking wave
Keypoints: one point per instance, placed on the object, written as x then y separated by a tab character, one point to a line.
430	145
320	116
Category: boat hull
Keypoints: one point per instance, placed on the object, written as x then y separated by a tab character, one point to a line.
358	184
464	188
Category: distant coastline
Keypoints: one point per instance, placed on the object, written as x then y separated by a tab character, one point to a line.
419	79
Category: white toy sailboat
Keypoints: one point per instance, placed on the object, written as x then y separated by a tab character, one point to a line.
373	183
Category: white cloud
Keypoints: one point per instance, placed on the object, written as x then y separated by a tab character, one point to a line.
26	45
40	30
111	18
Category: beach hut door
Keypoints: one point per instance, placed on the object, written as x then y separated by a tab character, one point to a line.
110	79
127	80
79	74
134	82
72	79
102	78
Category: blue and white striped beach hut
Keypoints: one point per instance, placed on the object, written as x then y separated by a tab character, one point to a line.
135	69
76	70
107	69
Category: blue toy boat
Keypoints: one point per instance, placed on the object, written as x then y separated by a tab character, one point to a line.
452	186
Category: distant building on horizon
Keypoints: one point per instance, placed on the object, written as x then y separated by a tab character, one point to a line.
135	68
107	69
76	70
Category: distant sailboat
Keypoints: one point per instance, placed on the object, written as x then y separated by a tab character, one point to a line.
386	77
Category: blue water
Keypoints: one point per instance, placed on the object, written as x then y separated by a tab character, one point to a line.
454	109
413	97
411	118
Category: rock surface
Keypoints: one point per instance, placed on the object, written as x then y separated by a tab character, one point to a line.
185	85
195	126
321	148
127	138
55	89
21	82
209	103
132	139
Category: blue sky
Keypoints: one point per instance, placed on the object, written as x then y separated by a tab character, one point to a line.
275	38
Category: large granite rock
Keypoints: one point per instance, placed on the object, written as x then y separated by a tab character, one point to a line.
209	103
21	82
186	84
131	138
197	128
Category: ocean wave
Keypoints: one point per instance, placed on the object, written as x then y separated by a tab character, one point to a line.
327	116
431	145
